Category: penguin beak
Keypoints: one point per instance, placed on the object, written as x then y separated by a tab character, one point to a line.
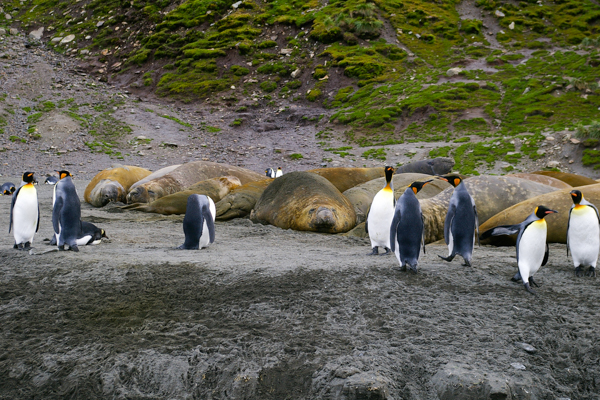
551	212
441	178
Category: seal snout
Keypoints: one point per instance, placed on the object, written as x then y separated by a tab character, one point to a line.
324	218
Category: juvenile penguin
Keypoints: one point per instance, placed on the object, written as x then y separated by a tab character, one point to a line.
199	222
462	225
24	213
583	234
380	215
532	249
406	230
51	180
7	189
270	172
279	173
66	212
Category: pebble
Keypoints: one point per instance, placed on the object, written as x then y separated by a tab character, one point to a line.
527	347
518	366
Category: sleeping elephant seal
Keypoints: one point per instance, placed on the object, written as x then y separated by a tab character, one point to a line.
344	178
544	179
155	174
560	200
435	166
361	196
304	201
176	203
241	200
112	184
492	194
185	176
572	179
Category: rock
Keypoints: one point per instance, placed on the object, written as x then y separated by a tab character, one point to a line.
67	39
84	51
511	26
541	152
454	71
236	4
296	73
2	31
519	366
527	347
56	40
37	34
286	52
499	14
8	17
99	24
575	141
550	138
553	164
13	31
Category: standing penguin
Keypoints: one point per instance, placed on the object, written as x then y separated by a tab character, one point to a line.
406	230
7	189
583	234
461	226
66	212
279	172
380	215
199	222
270	172
532	249
24	213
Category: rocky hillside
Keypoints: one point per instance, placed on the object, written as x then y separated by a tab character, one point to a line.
498	85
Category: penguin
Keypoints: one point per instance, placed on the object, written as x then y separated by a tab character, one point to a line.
406	230
51	180
24	213
7	189
461	227
90	235
583	234
270	172
380	215
199	222
279	173
532	249
66	212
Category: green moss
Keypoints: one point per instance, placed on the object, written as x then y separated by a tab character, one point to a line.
296	156
376	154
267	44
314	94
591	158
268	86
238	70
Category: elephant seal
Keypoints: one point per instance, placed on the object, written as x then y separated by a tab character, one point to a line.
435	166
572	179
154	175
545	179
491	194
345	178
176	203
304	201
185	176
559	200
112	184
241	200
361	196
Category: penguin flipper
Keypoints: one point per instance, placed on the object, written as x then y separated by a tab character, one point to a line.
393	232
12	206
448	222
501	230
56	214
568	226
422	235
476	224
545	255
37	228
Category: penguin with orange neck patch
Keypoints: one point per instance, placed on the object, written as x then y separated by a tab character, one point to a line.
407	228
583	234
462	225
380	215
66	212
532	249
24	213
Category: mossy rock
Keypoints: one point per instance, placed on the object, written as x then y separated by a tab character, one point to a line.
268	86
314	94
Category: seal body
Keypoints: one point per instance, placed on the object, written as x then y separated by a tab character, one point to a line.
583	234
66	214
532	248
461	224
198	223
572	179
435	166
304	201
381	213
7	189
24	213
241	200
112	185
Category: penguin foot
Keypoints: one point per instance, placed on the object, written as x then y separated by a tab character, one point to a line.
579	271
467	263
26	246
516	278
449	258
19	246
591	272
529	289
401	268
374	252
413	268
532	282
74	248
387	251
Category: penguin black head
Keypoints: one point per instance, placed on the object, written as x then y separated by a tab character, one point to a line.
63	174
417	186
389	171
28	177
542	211
577	196
454	180
8	191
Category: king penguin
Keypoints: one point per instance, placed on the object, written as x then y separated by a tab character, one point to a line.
270	172
532	249
66	212
51	180
461	226
380	215
24	213
90	235
406	230
199	222
583	234
7	189
278	173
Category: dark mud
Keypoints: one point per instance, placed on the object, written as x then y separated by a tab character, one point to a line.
266	313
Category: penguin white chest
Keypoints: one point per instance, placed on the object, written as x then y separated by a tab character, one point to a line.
25	215
380	218
532	248
584	236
